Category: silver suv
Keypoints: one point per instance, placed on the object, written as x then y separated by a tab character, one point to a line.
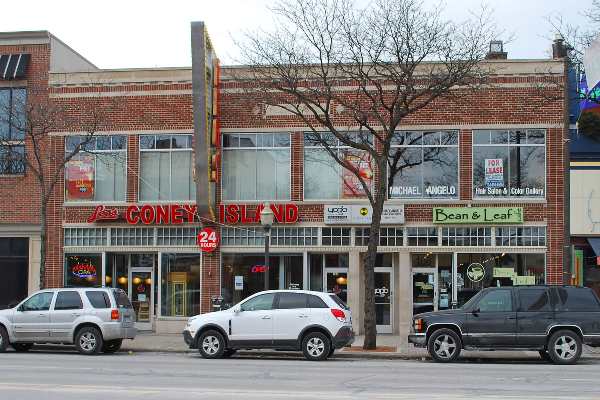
94	319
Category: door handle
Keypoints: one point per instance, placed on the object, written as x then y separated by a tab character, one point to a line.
76	314
41	315
511	317
303	316
266	317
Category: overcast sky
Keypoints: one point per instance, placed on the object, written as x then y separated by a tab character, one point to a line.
152	33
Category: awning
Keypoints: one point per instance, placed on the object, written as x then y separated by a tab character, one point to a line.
13	66
595	243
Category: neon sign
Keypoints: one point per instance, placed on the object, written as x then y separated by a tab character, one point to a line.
84	270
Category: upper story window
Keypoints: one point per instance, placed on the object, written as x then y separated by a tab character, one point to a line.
325	178
426	165
13	102
256	166
98	172
509	163
166	168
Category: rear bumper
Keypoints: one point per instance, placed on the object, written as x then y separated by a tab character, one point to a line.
418	339
344	337
117	331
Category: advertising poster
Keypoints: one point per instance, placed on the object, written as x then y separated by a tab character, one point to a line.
494	172
80	178
351	186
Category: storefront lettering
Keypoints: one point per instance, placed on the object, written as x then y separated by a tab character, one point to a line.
102	213
161	214
242	214
469	215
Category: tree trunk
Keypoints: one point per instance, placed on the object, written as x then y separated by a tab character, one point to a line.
43	239
370	323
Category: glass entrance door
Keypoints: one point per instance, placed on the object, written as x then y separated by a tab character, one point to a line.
336	282
424	285
141	282
383	299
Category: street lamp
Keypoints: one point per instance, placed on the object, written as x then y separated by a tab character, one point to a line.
266	220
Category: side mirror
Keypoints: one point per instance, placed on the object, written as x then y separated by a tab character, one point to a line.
20	308
237	310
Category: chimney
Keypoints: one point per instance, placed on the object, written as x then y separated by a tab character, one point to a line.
496	51
559	50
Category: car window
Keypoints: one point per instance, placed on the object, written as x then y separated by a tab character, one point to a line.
261	302
68	300
534	300
122	299
98	299
577	299
39	302
289	301
339	302
316	302
496	301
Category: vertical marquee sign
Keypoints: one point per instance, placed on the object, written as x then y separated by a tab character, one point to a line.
207	141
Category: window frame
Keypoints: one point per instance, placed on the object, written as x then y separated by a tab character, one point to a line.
508	145
256	149
170	150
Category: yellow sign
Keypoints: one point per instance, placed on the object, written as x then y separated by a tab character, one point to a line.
524	280
504	272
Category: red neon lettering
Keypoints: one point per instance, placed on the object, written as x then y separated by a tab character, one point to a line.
291	213
232	214
245	218
176	214
130	216
162	214
147	214
278	214
192	210
222	213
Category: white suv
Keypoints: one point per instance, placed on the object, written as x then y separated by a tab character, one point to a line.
314	322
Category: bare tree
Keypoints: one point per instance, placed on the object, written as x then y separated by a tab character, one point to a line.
358	74
28	147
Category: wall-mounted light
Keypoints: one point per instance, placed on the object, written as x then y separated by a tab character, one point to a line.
108	280
137	280
148	281
341	280
122	280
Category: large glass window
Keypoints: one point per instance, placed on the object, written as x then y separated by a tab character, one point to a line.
480	270
509	163
325	178
180	296
166	167
13	106
84	270
419	158
98	172
256	166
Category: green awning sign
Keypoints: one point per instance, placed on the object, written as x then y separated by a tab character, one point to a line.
477	215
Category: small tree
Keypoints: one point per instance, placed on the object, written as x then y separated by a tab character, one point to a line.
358	74
28	147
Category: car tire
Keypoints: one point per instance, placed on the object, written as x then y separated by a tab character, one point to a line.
316	346
211	345
545	356
228	353
564	347
88	341
112	346
444	345
22	347
331	352
3	339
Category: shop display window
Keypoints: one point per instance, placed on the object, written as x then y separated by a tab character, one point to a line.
83	270
256	166
509	163
180	285
13	102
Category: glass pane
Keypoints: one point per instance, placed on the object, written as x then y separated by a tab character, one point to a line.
481	137
247	140
436	184
181	141
239	175
490	171
149	175
282	140
498	137
5	113
408	181
147	142
141	292
19	114
181	173
163	142
83	270
527	171
264	140
292	300
244	275
322	176
536	137
119	142
103	142
180	295
266	169
164	176
316	272
337	283
534	300
496	301
423	291
431	138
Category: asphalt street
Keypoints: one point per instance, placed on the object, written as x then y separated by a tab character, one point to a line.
68	375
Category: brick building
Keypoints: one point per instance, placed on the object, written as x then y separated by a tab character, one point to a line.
500	153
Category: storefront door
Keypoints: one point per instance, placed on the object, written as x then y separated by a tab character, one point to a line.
141	293
424	284
383	299
336	282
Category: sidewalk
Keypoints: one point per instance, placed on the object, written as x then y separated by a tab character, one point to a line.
387	349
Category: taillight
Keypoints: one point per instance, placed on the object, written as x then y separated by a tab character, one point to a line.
114	314
338	314
418	324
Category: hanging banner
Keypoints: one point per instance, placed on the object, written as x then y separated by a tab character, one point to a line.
494	172
80	178
359	161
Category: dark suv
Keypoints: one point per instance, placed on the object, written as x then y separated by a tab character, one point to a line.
554	320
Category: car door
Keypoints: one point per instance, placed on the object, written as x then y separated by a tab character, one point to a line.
67	308
290	316
252	322
493	320
534	316
31	320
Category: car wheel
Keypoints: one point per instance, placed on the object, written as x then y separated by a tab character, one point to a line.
3	339
545	356
22	347
316	346
444	345
228	353
89	341
564	347
211	344
112	346
331	352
